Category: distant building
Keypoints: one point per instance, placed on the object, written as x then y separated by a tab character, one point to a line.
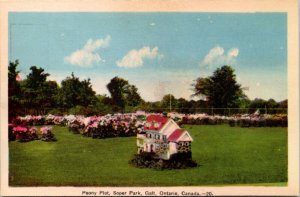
164	137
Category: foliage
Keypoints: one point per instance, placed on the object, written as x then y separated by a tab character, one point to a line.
177	161
221	89
278	120
14	91
123	125
36	95
267	106
74	92
47	135
11	135
122	94
168	101
25	133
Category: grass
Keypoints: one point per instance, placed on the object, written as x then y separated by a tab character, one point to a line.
226	156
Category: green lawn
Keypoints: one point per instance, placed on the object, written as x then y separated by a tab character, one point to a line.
254	156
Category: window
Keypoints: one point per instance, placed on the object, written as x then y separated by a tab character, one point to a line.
151	148
164	137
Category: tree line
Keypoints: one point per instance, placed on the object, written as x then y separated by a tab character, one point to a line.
37	95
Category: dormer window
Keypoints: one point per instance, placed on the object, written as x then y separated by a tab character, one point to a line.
148	124
156	125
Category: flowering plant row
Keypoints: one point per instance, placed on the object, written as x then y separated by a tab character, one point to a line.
50	119
120	125
26	134
132	123
242	120
278	120
95	126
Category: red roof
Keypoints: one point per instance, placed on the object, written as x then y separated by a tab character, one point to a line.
176	135
152	119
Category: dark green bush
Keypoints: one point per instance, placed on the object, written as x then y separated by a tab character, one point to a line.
11	135
150	160
48	137
232	123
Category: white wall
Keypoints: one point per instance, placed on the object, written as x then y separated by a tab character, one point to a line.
169	128
172	148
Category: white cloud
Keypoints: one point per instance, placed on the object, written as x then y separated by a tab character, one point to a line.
135	58
217	57
234	52
213	54
86	56
152	24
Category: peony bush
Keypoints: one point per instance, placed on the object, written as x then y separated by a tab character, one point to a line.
47	135
23	133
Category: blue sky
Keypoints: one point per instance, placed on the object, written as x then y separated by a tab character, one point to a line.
160	53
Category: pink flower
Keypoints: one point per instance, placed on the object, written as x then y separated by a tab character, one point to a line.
94	125
20	129
45	129
33	130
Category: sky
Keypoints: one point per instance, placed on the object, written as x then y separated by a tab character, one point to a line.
159	53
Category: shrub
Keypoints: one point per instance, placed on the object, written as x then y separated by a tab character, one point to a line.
22	134
150	160
47	135
33	133
11	135
245	122
232	122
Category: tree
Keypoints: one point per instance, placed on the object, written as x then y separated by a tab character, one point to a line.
272	106
74	92
221	89
14	90
132	96
269	106
283	104
37	78
37	91
51	89
122	93
168	102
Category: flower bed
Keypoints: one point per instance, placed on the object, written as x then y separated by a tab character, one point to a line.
26	134
242	120
123	125
118	125
279	120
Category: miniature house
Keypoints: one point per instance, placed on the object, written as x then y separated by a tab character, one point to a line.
163	137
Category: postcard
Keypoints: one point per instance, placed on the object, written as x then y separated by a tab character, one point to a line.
149	98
